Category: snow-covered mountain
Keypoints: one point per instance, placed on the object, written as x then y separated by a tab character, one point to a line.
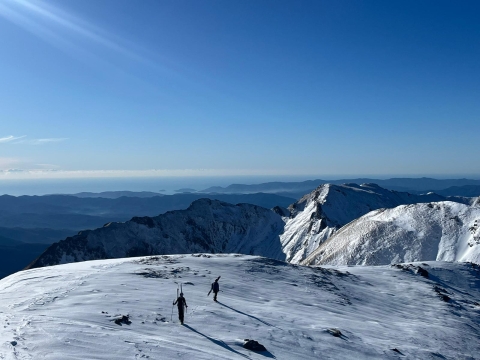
444	231
217	227
122	309
318	215
206	226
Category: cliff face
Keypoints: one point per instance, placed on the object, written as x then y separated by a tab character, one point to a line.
320	214
441	231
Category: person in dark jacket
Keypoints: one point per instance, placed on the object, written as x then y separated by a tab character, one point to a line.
181	304
215	288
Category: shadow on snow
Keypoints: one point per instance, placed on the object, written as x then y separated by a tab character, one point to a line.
251	316
216	342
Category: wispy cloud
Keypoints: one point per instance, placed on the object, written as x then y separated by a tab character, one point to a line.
11	138
23	140
47	141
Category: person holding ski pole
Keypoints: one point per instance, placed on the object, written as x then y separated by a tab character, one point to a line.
181	304
215	288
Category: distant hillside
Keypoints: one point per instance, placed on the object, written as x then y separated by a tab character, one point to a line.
117	194
71	212
15	255
34	235
466	190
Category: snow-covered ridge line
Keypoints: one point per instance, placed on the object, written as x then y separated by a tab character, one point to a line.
442	231
206	226
319	215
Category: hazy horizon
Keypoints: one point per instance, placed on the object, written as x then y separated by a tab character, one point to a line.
164	185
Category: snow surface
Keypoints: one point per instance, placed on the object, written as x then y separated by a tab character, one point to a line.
68	311
318	215
442	231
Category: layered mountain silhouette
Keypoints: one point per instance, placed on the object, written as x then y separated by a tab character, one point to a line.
212	226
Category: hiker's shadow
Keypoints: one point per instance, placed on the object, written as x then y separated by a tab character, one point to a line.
216	342
225	346
251	316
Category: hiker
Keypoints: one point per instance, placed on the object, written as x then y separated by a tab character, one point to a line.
181	302
215	288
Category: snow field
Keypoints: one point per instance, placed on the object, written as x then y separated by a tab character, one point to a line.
68	311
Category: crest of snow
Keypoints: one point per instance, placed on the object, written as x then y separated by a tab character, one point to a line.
319	215
445	231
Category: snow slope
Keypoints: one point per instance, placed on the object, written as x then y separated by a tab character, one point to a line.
444	231
318	215
206	226
68	311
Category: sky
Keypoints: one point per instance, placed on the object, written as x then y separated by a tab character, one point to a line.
113	88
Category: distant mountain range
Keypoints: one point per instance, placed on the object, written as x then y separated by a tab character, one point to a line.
14	255
308	223
466	190
31	223
216	227
117	194
77	213
298	189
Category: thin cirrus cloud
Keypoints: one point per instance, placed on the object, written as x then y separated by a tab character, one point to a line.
11	138
47	141
23	140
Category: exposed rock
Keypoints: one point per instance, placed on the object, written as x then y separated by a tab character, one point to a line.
281	211
334	332
124	319
253	345
442	293
422	272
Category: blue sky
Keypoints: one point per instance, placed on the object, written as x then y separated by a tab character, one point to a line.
154	88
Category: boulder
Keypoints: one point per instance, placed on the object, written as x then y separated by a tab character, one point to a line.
253	345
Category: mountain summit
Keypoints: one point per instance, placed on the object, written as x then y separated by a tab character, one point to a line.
318	215
442	231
